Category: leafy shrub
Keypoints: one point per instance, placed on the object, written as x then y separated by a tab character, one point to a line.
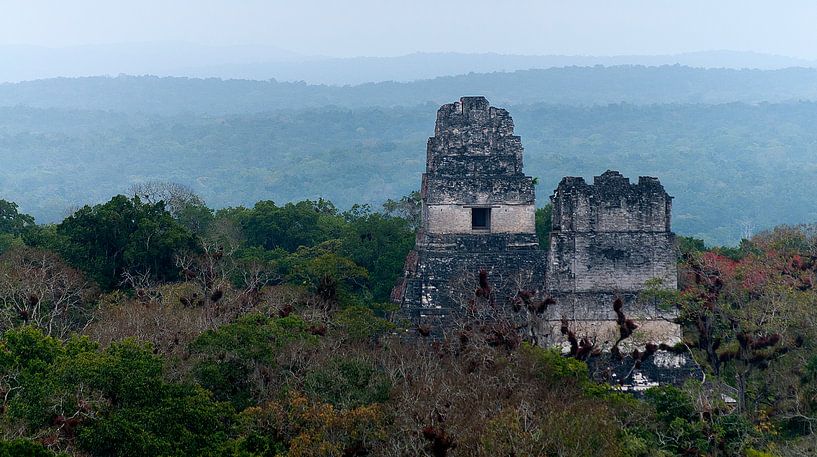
24	448
670	403
236	361
113	402
348	383
359	323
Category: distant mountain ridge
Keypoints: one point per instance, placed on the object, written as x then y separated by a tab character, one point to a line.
269	62
419	66
25	63
567	86
726	143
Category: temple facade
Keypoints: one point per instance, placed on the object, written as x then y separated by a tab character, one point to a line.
611	239
478	214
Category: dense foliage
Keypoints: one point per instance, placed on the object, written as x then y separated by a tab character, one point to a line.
152	324
122	235
263	331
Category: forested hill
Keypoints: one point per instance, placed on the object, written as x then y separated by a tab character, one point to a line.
730	166
568	85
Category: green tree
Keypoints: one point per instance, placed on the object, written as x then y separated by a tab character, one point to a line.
688	245
122	235
180	201
291	226
670	402
113	402
359	323
12	225
379	244
237	361
12	221
24	448
348	383
331	276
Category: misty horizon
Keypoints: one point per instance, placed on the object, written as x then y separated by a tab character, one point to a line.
372	28
322	42
288	53
256	62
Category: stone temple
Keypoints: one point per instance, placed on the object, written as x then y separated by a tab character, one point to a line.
610	239
478	214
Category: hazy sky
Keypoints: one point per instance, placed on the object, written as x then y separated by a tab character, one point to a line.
379	27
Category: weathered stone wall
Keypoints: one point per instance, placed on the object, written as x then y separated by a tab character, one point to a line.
477	189
444	280
604	333
611	204
610	236
608	240
610	261
474	159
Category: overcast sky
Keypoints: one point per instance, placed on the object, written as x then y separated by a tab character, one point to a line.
380	27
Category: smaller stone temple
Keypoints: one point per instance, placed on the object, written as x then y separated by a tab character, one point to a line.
478	214
611	239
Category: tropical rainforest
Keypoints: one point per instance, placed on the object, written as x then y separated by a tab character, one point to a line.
734	147
204	267
153	325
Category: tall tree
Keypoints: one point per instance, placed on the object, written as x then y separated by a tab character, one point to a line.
291	226
12	221
124	234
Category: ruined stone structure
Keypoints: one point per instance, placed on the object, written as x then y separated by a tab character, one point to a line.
478	213
610	239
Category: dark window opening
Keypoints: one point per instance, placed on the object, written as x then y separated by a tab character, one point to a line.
480	218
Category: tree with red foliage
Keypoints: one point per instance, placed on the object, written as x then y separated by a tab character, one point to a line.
741	312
